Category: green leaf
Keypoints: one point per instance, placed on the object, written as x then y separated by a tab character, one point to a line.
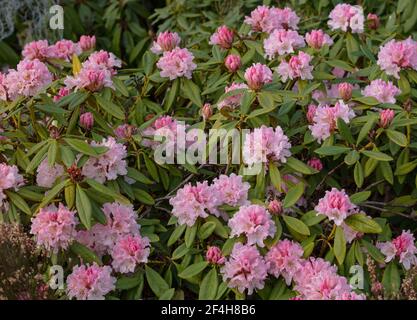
331	150
206	230
370	101
373	251
157	284
340	64
144	197
358	174
81	146
209	285
53	192
110	107
138	176
361	223
300	166
176	234
367	127
360	197
190	234
129	282
167	295
83	205
386	171
377	155
352	157
193	270
275	176
179	252
293	195
296	225
52	152
172	94
107	191
397	137
86	254
344	130
391	279
18	201
352	47
405	168
192	92
339	245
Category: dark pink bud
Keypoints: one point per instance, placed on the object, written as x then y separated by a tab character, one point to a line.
385	117
315	163
373	21
345	90
233	62
207	111
214	255
275	207
87	120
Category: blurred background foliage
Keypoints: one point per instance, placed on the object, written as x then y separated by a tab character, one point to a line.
126	27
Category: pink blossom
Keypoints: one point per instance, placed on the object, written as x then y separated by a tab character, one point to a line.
266	19
281	42
36	50
253	221
9	179
266	144
336	205
231	190
338	72
176	63
233	62
90	282
206	111
125	131
275	207
373	21
223	37
192	202
345	16
349	233
165	127
284	18
315	163
47	175
259	19
90	78
29	78
311	112
3	87
214	255
233	101
87	43
284	259
54	228
87	120
383	91
385	117
166	41
402	247
325	119
297	67
345	90
397	55
317	39
128	252
64	50
245	269
257	76
108	165
61	93
104	60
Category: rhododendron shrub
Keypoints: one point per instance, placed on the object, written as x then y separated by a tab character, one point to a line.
270	157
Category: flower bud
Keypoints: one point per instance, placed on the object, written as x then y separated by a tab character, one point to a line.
345	90
275	207
233	62
87	120
87	42
223	37
373	21
214	255
125	131
257	75
315	163
311	113
385	117
64	91
207	111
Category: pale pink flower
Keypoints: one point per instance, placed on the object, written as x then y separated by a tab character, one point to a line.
54	228
92	78
284	18
349	233
338	72
266	19
397	55
108	165
166	41
214	255
281	42
164	127
103	59
297	67
317	39
233	101
47	175
64	91
29	78
233	62
9	179
266	144
325	119
223	37
311	112
64	50
87	120
192	202
87	43
245	269
231	190
259	19
336	205
257	76
90	282
315	163
36	50
284	259
345	90
254	222
128	252
385	117
373	21
176	63
345	16
402	247
383	91
3	87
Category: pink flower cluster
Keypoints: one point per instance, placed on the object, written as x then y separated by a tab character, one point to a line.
402	247
266	144
166	41
62	92
176	63
257	76
345	16
166	127
47	175
108	165
254	222
245	269
96	72
54	228
192	202
317	39
397	55
90	282
233	101
383	91
28	79
268	19
9	179
336	205
281	42
128	252
64	50
325	119
297	67
223	37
